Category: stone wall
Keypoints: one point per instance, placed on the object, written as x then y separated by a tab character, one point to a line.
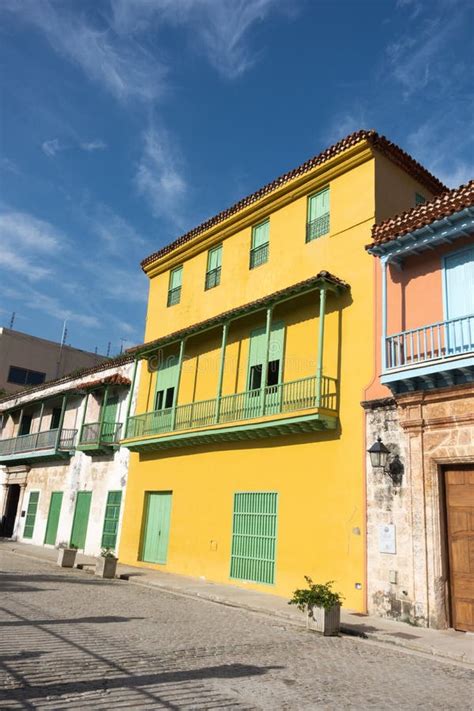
429	430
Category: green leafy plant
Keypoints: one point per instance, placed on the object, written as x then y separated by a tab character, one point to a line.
107	553
316	595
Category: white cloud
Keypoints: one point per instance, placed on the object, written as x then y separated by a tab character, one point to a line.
55	308
345	123
115	233
21	230
51	147
96	145
23	265
159	178
120	64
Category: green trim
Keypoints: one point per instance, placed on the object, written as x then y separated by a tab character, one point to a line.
61	420
41	416
225	332
319	372
258	430
34	456
83	419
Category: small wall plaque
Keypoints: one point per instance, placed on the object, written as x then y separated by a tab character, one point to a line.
387	537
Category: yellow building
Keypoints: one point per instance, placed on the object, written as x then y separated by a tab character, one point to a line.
248	446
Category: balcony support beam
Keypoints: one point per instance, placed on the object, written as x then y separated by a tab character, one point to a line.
178	380
40	421
84	413
130	396
61	421
19	422
319	368
268	332
102	412
225	331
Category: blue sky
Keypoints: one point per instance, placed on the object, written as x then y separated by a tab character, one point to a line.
126	122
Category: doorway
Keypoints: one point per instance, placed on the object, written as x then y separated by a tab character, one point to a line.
459	485
11	508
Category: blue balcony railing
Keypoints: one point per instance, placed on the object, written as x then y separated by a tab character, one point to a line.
437	341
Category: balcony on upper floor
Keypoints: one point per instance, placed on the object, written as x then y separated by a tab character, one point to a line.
47	444
303	405
438	354
99	437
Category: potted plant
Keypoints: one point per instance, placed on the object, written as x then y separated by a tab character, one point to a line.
67	555
322	606
106	565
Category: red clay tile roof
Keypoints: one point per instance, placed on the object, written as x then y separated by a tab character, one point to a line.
382	144
115	379
441	206
75	375
240	311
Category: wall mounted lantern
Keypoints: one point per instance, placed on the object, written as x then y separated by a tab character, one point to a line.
379	455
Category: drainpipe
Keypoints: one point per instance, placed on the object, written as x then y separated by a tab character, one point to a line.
268	330
225	331
180	367
319	370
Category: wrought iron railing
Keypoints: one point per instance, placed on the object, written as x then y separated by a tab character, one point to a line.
100	433
37	441
174	296
258	255
318	227
445	339
296	395
213	278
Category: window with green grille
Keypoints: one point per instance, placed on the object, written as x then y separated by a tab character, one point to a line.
254	537
318	215
214	264
31	515
260	244
174	288
111	520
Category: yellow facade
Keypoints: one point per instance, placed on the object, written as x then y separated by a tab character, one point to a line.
318	475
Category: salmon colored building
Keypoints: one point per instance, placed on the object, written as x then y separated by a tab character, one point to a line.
421	405
248	462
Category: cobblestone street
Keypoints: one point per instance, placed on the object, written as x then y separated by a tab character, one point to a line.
71	641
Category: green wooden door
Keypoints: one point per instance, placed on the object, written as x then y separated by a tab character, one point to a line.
111	519
81	519
166	393
110	418
31	514
53	517
254	532
156	526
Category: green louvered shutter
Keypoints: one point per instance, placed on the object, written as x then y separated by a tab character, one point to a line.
318	215
214	263
260	242
53	518
31	514
254	537
111	519
174	289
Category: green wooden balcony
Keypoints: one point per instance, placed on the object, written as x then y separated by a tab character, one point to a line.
298	406
48	444
99	437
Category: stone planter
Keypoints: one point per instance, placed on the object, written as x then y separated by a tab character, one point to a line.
328	622
67	557
106	567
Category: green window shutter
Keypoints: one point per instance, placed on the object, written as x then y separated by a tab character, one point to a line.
111	519
110	410
31	514
174	289
257	344
214	263
53	518
260	244
318	215
254	537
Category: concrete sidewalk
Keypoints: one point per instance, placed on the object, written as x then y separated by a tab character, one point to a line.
442	644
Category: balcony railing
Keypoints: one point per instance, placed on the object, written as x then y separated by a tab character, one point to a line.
445	339
96	433
318	227
258	255
273	400
38	441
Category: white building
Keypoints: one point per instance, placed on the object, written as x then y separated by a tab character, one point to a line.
62	471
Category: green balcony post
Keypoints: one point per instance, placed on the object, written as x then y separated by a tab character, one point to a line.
83	418
225	331
130	397
102	414
61	420
268	331
39	423
319	371
19	422
178	380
